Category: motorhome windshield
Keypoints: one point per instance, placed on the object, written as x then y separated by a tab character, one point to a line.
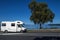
20	25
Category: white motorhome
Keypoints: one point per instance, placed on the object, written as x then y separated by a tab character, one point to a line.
12	26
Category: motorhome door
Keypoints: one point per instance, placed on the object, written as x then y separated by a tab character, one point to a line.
13	27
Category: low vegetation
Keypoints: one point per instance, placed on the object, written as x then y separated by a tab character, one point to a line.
43	30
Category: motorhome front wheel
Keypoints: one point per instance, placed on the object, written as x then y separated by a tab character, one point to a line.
21	31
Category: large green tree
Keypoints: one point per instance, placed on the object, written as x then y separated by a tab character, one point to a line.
40	13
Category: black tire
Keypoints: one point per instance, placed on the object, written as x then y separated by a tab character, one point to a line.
5	31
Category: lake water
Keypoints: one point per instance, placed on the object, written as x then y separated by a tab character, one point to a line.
46	26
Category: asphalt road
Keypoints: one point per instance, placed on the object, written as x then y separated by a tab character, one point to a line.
29	36
32	34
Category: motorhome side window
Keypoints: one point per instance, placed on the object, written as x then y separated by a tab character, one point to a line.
12	24
3	24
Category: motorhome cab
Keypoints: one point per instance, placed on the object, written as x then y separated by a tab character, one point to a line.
12	26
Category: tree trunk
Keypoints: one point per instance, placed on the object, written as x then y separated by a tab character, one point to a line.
40	26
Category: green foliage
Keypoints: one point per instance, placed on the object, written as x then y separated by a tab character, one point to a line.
40	13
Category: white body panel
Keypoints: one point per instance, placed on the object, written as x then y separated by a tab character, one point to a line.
8	25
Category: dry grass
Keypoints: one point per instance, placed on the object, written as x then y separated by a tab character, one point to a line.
44	30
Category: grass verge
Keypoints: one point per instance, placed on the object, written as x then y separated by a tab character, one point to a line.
43	30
